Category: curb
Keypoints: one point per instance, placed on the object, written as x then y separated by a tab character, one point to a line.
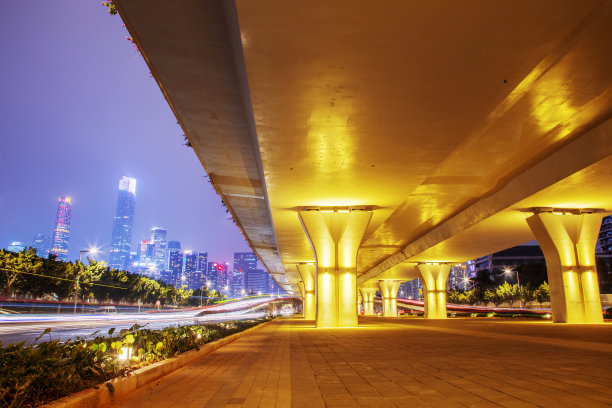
101	396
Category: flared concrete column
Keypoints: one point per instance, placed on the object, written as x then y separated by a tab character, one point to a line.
433	278
335	236
359	302
307	272
368	300
568	242
388	290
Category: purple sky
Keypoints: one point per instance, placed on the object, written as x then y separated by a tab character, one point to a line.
78	110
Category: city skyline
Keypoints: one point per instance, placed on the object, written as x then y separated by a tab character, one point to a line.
85	118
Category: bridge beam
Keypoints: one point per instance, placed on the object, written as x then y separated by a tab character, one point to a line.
335	235
307	272
368	294
388	290
568	242
433	278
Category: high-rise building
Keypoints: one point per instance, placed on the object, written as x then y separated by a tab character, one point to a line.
42	243
193	277
217	276
243	262
202	262
16	246
160	245
61	232
604	243
174	245
457	278
121	240
258	281
414	289
175	266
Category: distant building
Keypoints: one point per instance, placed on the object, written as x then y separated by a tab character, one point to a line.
258	281
16	246
495	264
42	243
174	245
216	274
458	279
61	232
413	289
604	242
160	246
192	277
243	262
143	262
202	262
175	266
121	239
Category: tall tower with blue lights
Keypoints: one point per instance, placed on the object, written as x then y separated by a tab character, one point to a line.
61	232
121	240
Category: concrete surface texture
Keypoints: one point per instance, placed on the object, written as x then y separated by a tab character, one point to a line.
405	362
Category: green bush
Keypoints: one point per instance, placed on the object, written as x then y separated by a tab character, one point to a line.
34	374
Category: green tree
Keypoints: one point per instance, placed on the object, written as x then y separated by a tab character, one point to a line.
542	293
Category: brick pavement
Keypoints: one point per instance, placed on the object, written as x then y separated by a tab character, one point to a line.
397	363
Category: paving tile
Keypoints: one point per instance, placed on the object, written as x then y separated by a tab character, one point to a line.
397	363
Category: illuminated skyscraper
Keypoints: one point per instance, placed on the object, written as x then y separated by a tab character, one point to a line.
61	233
175	266
243	262
121	240
160	247
217	275
42	245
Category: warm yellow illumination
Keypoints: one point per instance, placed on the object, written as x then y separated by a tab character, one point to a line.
368	294
388	290
433	278
335	237
568	243
307	272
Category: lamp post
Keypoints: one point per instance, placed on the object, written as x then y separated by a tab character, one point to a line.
518	282
76	283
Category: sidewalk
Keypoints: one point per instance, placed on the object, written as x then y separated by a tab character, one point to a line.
397	362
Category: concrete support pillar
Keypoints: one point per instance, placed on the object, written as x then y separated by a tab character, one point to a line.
359	302
433	278
307	271
335	236
368	300
388	290
568	242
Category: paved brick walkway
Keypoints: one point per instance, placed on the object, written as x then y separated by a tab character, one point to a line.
398	362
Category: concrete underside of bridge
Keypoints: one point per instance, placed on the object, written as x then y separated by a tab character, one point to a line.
397	363
448	122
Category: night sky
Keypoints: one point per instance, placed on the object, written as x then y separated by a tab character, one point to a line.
79	111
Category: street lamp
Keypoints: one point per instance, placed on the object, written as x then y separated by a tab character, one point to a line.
508	271
78	277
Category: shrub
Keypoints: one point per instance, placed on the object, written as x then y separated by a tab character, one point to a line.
31	375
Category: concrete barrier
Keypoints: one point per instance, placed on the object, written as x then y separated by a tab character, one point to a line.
103	396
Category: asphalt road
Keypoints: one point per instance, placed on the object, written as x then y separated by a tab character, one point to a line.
28	327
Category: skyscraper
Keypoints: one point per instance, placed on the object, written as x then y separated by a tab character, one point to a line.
42	243
243	262
121	240
258	281
193	277
160	245
61	232
217	275
175	266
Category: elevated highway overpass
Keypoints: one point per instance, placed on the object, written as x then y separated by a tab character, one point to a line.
357	144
